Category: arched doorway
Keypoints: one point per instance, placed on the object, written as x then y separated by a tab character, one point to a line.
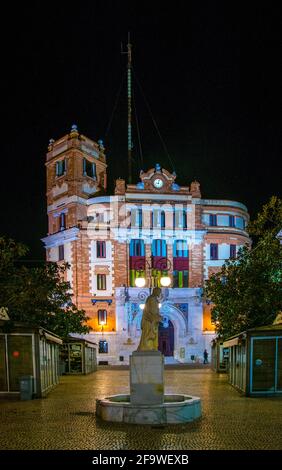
166	338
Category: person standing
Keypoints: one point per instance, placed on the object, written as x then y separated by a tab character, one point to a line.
206	355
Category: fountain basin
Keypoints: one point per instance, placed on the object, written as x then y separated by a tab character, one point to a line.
175	409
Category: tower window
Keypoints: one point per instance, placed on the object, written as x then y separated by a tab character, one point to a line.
101	282
89	168
60	167
61	253
101	249
214	251
102	317
62	221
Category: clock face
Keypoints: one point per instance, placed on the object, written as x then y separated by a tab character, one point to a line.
158	183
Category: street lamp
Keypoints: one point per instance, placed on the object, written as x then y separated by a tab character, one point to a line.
163	265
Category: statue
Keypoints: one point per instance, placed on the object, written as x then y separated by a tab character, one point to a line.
150	322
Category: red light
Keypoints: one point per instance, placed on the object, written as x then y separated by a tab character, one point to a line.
16	353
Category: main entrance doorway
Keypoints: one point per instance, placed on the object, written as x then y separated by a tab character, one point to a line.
166	339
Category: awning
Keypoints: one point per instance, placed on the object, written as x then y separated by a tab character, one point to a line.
231	342
52	338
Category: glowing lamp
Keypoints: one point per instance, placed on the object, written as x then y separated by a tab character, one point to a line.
142	306
165	281
140	282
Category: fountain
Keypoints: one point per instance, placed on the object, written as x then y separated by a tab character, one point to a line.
147	402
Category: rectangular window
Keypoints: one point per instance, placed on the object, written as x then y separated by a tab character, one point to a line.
89	168
180	278
101	282
60	167
62	221
162	219
61	252
213	251
184	216
103	347
102	317
140	218
213	220
232	251
231	221
180	249
101	249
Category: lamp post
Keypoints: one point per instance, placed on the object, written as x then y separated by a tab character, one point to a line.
162	264
102	323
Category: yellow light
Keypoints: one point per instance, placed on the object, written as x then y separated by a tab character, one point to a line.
165	281
142	306
140	282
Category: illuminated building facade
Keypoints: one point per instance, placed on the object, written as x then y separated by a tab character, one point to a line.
148	229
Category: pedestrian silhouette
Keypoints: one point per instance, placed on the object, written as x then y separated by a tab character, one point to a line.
206	354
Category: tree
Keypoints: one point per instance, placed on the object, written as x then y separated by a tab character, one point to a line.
247	292
38	295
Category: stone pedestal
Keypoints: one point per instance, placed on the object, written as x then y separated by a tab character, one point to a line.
146	378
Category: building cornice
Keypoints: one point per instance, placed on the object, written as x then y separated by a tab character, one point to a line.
60	238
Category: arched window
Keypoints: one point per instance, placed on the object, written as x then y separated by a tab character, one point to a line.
159	248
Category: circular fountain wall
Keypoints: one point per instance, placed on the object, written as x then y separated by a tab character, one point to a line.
175	409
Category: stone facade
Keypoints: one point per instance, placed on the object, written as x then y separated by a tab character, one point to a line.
151	228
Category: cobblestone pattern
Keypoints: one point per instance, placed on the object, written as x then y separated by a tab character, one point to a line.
66	418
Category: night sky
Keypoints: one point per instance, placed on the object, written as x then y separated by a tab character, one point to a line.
211	76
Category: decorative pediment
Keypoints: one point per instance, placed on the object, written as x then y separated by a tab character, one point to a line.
158	180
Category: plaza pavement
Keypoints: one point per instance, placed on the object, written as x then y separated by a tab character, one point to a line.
66	419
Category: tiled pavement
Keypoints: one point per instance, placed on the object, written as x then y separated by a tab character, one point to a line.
66	418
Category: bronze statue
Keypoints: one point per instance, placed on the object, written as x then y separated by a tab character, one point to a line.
150	322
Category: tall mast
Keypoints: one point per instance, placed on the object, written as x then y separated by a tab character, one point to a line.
129	107
129	110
